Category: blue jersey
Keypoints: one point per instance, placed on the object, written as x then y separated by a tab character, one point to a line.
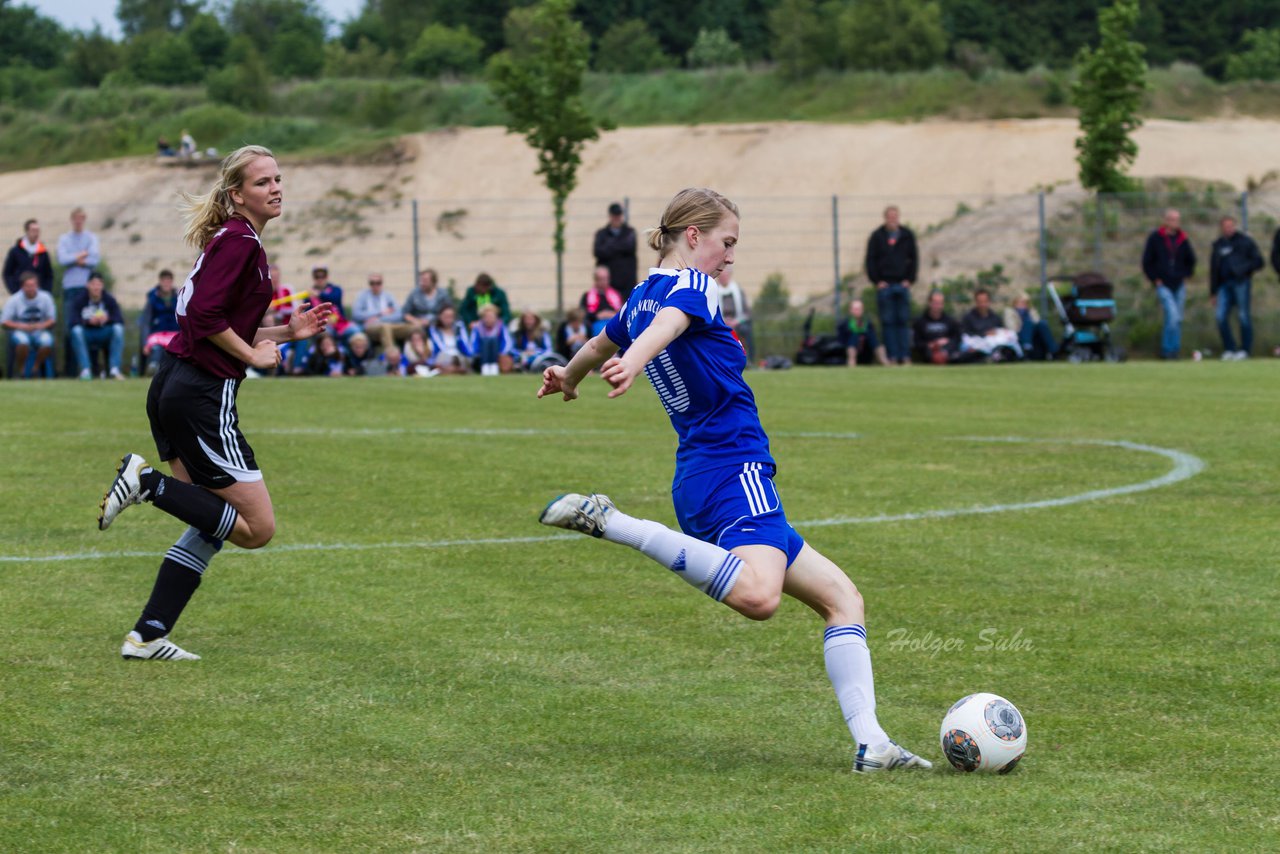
698	377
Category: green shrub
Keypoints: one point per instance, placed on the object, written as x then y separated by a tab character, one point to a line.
629	48
714	49
444	50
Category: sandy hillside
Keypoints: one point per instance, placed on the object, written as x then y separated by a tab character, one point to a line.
480	207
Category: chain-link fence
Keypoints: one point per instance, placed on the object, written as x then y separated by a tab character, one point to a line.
796	253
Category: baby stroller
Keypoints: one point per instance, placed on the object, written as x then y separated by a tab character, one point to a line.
1086	306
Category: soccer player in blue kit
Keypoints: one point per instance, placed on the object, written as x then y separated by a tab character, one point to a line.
737	546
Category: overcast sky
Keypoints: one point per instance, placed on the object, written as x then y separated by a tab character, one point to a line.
82	14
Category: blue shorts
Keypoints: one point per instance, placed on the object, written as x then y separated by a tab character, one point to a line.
735	506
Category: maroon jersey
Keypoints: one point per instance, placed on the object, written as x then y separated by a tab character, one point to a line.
229	288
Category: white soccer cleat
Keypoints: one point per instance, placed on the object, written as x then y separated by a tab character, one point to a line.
892	756
160	649
126	489
586	513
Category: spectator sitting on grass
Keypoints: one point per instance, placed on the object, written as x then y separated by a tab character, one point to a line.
96	321
937	334
858	337
28	316
533	343
160	320
361	356
450	344
1034	336
328	359
572	334
484	292
492	344
422	306
416	351
983	332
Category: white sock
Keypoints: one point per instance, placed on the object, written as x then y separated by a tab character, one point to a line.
707	567
849	668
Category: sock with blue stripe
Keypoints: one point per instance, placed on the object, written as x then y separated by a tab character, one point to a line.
195	505
179	576
708	567
849	668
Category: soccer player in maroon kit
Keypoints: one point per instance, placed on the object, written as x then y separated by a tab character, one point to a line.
216	486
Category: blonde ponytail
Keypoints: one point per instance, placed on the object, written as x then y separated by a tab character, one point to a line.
697	206
205	213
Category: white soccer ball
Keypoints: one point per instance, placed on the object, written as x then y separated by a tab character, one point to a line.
984	732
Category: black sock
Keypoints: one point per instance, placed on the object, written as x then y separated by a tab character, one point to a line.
195	505
173	588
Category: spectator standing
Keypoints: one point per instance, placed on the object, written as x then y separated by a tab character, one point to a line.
1233	260
937	333
484	292
450	343
892	264
615	249
378	313
96	321
1034	336
29	315
78	254
735	311
1168	261
424	303
492	344
600	296
28	254
858	337
573	333
159	321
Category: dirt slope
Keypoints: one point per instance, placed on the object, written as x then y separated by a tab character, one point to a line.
482	208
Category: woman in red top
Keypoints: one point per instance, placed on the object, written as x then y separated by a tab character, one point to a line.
216	486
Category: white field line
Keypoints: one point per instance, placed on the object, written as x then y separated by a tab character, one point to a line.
1185	466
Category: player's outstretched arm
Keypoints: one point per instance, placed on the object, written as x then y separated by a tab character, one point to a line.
304	323
564	380
668	325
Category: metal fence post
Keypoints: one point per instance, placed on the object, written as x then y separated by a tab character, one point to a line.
1244	211
417	261
835	254
1044	260
1097	233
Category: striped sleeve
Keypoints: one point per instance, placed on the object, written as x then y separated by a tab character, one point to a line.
696	294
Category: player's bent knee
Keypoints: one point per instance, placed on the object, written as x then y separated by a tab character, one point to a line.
258	535
756	605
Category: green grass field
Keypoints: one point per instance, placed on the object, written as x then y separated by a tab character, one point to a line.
399	671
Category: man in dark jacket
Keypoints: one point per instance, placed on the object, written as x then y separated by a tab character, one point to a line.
28	254
937	333
1168	261
1232	262
97	322
892	264
615	248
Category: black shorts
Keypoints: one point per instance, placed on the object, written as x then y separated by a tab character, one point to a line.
193	419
